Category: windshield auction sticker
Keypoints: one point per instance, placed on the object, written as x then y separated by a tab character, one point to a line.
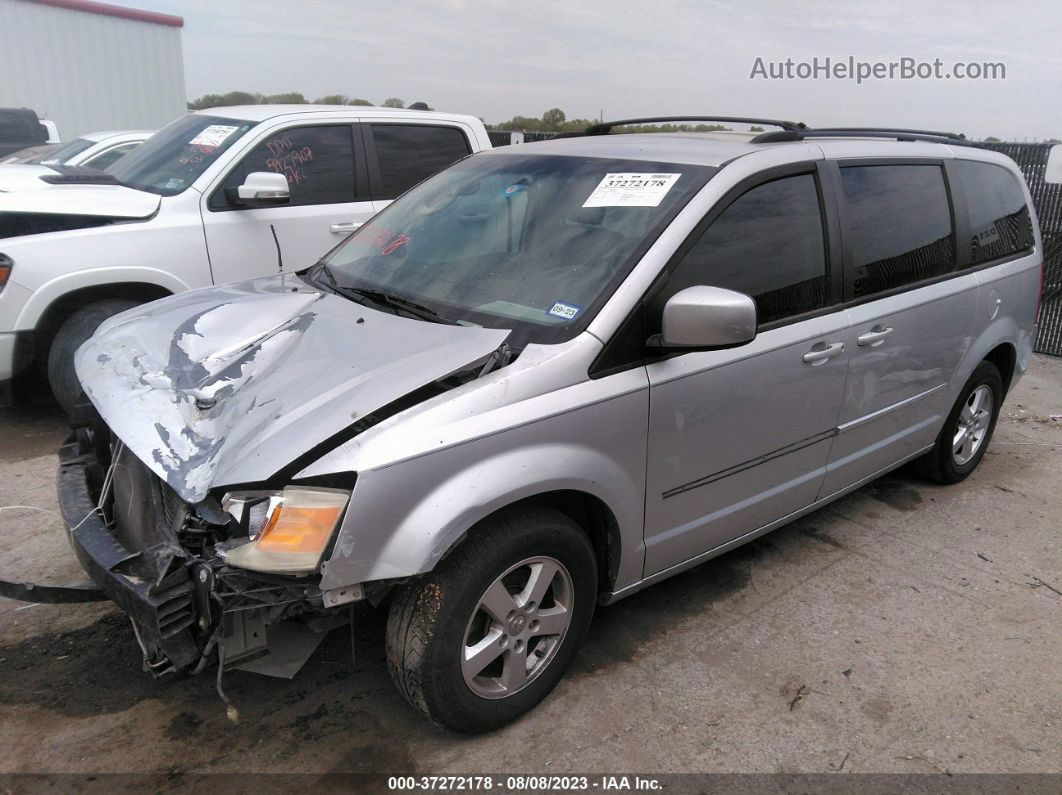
631	190
213	136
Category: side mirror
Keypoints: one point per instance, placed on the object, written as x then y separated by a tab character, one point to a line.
1053	172
708	317
263	189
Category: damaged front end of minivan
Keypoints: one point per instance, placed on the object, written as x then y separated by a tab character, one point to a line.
164	561
181	487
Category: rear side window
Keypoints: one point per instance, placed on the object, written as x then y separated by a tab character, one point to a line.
317	161
410	153
1000	224
768	244
899	227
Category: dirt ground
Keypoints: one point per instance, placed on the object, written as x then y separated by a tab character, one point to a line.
906	628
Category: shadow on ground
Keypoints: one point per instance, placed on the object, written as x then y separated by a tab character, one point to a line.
34	425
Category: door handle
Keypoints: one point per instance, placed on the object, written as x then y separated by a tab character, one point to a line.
874	337
817	357
345	228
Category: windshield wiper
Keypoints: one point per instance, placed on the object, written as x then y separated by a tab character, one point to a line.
397	302
381	298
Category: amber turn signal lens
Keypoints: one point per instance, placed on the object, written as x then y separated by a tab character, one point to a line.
297	533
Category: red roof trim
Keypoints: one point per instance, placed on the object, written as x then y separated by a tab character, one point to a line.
115	11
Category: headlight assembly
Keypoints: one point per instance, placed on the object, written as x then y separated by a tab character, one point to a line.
289	529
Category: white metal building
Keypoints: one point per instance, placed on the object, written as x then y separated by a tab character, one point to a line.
89	66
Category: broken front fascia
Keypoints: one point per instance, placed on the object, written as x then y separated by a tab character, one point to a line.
232	384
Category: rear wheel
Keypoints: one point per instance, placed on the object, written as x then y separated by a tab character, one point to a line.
490	632
75	330
964	439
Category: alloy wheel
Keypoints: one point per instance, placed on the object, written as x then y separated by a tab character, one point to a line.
517	627
972	428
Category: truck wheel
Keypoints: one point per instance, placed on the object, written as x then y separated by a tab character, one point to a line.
75	330
964	439
486	635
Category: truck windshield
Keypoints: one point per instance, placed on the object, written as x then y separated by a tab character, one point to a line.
535	243
173	158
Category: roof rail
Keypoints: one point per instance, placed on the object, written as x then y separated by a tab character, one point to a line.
605	127
782	136
936	133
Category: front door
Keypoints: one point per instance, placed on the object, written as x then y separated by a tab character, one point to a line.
739	438
320	164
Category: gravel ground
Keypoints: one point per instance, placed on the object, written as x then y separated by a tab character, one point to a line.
908	628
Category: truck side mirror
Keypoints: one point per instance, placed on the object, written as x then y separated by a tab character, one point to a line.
262	189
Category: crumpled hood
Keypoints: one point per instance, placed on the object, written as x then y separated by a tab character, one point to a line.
231	384
23	191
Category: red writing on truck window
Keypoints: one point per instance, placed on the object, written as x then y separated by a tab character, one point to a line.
287	160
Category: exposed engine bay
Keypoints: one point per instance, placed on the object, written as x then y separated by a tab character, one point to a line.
162	561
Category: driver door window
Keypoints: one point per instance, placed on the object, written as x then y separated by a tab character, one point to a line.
317	161
768	244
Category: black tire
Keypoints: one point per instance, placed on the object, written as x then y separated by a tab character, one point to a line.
75	330
426	626
939	464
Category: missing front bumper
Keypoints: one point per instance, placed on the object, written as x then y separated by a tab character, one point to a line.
186	608
163	612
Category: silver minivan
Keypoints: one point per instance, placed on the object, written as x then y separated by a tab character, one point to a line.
539	381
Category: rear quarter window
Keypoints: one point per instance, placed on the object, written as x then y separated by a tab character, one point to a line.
899	228
1000	224
410	153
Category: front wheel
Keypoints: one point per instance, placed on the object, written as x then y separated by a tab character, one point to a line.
964	439
489	633
75	330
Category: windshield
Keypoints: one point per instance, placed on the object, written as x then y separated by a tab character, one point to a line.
173	158
64	152
535	243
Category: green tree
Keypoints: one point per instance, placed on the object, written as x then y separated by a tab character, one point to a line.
553	118
341	99
393	102
992	140
251	98
225	100
290	98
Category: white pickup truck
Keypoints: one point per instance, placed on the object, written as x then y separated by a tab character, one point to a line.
217	196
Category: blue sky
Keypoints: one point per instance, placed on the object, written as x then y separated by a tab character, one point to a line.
496	59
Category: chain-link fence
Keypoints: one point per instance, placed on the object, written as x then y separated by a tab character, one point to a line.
1047	198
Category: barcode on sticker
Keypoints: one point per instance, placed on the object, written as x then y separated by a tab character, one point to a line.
631	190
